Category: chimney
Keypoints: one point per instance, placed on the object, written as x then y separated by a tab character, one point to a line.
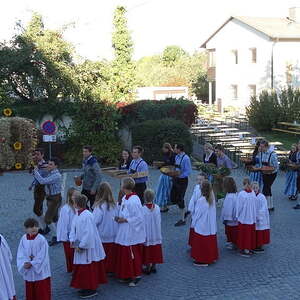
294	14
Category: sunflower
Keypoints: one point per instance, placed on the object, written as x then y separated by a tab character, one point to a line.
18	166
17	145
7	112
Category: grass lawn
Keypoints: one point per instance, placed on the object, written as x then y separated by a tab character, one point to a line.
285	138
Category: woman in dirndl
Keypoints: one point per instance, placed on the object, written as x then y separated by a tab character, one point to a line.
256	176
290	189
164	187
209	157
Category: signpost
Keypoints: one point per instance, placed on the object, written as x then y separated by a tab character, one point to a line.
49	129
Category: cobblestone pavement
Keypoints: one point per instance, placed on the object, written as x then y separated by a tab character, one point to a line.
274	274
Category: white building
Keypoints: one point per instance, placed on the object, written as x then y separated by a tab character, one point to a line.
162	92
251	54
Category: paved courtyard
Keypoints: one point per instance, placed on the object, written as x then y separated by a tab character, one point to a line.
274	274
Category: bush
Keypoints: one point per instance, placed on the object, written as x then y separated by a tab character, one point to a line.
272	107
140	111
264	113
153	133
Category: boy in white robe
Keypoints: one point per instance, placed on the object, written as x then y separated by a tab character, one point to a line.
7	286
130	236
88	268
33	262
152	250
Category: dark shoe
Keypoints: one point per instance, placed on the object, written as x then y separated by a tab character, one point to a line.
297	206
198	264
180	223
259	250
153	270
53	242
147	270
80	292
164	210
88	294
272	209
186	214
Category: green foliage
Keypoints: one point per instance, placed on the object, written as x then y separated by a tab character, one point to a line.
263	113
36	65
123	81
177	69
152	134
200	86
140	111
272	107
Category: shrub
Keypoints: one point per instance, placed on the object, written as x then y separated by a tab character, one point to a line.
140	111
264	113
153	133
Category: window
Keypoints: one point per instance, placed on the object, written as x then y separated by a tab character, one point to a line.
235	58
234	91
253	55
252	90
212	58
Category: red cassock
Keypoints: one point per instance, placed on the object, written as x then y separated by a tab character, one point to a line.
152	254
231	233
88	277
262	237
246	236
38	290
69	254
129	260
204	248
192	232
110	259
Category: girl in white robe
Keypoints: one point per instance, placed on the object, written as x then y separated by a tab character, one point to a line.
204	244
88	269
246	216
33	262
104	213
130	236
192	204
7	286
262	219
64	223
152	250
228	214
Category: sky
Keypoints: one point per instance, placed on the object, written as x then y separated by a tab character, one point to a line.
154	24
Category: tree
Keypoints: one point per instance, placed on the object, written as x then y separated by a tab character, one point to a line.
200	87
172	54
36	65
123	81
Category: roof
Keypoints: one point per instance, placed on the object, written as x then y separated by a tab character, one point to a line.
280	29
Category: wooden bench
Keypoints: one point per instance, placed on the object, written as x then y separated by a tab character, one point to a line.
286	131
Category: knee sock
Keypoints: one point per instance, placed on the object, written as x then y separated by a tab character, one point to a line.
42	222
52	226
182	214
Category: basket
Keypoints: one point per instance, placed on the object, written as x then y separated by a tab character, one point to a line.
169	170
267	170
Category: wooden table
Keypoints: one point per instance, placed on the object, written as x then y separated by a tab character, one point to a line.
289	124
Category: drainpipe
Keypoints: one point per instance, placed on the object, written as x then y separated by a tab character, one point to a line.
272	64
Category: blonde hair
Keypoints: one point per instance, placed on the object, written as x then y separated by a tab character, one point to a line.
71	191
254	185
168	146
209	146
149	196
80	200
246	183
207	192
128	184
104	195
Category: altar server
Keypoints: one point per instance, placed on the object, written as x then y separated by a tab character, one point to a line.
105	211
228	214
64	223
130	236
7	286
88	269
152	250
33	262
192	204
204	244
246	217
262	219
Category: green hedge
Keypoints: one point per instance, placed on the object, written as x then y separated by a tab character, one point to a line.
270	107
153	133
140	111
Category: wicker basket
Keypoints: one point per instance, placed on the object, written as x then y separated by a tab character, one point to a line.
169	171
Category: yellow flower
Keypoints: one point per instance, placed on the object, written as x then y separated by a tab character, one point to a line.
18	166
7	112
17	146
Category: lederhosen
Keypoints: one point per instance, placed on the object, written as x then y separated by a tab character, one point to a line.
179	188
268	179
140	187
39	196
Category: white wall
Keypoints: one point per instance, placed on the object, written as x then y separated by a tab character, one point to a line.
238	36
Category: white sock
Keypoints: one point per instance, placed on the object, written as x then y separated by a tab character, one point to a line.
52	226
42	222
182	214
271	201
